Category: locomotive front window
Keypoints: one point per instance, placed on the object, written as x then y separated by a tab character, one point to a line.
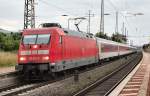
43	39
29	39
36	39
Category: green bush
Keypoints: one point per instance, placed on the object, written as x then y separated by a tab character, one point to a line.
9	41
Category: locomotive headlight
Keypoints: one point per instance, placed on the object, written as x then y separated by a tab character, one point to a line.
35	46
46	58
22	59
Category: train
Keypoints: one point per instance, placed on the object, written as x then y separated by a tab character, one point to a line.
53	49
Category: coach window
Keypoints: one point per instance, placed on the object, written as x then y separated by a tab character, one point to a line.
60	39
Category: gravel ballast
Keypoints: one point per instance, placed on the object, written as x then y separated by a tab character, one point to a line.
67	87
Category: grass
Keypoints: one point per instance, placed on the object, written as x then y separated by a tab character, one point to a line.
8	59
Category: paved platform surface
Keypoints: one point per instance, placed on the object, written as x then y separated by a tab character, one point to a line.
136	83
6	70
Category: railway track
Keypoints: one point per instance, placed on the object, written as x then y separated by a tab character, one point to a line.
10	74
105	85
9	80
19	88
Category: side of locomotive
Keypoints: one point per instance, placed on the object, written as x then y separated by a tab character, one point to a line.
78	49
55	49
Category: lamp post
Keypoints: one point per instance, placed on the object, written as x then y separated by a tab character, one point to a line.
135	14
102	22
124	28
124	16
68	21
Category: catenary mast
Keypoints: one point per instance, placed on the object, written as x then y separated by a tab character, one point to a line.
102	17
29	14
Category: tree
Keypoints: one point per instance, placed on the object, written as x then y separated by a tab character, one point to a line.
9	41
119	38
102	35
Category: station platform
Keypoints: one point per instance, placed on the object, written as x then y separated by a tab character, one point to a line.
137	83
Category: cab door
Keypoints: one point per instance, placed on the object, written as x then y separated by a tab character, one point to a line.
60	47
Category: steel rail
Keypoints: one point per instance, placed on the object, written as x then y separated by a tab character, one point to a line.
104	79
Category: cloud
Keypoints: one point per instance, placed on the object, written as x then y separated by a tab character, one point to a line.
13	25
11	16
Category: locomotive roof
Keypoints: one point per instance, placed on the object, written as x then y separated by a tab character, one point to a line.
111	42
43	30
77	33
61	31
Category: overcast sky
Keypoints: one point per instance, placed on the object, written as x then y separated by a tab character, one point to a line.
11	15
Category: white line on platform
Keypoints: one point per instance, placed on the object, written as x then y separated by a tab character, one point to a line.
132	85
129	94
133	89
133	82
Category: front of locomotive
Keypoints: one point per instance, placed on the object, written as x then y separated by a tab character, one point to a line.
33	54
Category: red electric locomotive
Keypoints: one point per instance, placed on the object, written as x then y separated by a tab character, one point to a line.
54	49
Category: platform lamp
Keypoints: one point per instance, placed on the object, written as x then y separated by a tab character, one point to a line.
133	14
68	21
102	22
